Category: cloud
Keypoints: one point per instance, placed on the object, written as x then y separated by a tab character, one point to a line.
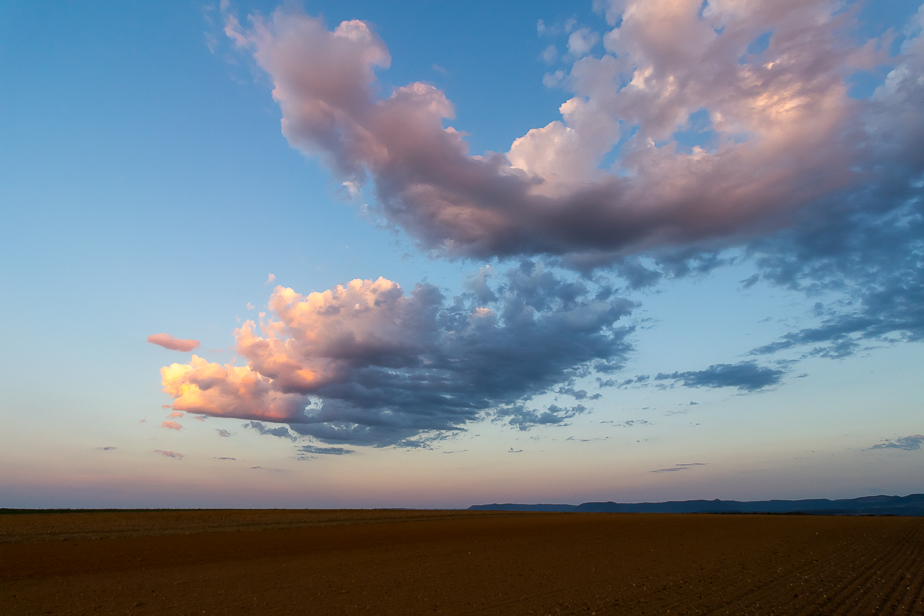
873	263
280	431
225	458
367	363
580	42
109	448
714	145
174	344
746	376
175	414
524	418
169	454
678	467
907	443
172	425
270	278
223	433
327	451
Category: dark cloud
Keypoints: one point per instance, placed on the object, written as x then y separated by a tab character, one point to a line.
223	433
108	448
872	264
524	418
365	363
280	431
326	451
746	376
225	458
577	394
678	467
907	443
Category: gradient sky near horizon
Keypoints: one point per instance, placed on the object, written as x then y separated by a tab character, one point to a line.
429	254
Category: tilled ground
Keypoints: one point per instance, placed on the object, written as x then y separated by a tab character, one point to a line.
393	562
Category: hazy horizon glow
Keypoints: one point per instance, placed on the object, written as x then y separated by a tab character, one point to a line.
636	250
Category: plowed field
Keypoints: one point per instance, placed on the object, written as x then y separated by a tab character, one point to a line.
411	562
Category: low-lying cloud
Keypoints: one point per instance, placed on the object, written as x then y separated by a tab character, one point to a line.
368	363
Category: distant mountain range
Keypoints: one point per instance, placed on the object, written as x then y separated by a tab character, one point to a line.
911	505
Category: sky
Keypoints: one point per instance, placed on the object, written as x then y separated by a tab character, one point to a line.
421	254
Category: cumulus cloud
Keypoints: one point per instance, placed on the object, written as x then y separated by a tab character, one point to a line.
746	376
169	454
171	425
174	344
368	363
907	443
714	143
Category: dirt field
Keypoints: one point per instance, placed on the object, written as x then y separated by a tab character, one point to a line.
412	562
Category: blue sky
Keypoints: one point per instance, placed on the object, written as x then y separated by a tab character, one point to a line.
593	241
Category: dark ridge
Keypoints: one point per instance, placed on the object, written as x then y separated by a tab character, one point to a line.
911	505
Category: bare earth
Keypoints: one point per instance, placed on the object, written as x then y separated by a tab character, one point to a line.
457	562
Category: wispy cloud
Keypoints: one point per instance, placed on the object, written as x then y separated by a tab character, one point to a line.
171	425
325	451
912	442
678	467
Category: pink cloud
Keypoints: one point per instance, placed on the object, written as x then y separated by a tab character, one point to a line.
781	131
369	355
172	425
174	344
175	414
169	454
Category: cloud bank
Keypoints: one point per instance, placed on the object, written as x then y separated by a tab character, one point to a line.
715	140
368	363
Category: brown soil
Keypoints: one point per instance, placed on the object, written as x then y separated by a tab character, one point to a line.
413	562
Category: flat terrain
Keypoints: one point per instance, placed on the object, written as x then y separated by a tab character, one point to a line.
457	562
